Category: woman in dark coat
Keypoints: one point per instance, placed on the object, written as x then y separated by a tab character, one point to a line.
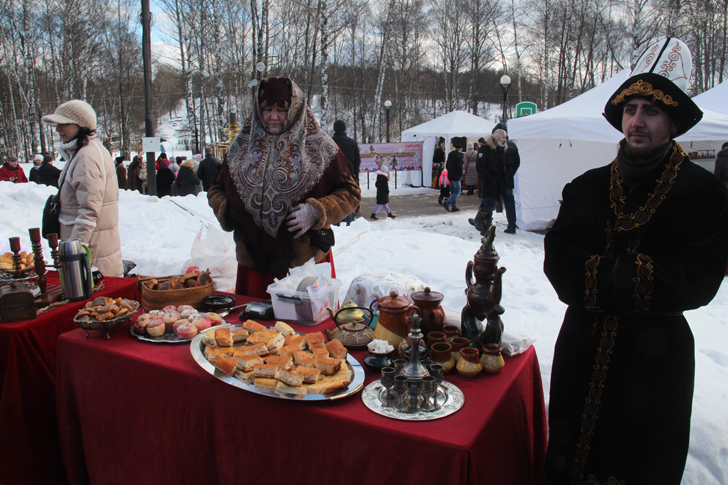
186	182
165	178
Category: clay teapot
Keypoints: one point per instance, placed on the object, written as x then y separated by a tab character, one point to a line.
392	325
351	330
427	305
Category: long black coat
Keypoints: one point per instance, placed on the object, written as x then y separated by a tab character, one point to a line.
207	171
623	368
454	165
186	182
721	166
48	175
165	179
350	148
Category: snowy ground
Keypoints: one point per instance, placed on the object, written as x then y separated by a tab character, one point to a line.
157	234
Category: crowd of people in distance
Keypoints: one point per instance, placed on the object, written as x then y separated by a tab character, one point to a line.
488	165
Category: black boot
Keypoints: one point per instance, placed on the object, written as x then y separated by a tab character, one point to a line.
373	217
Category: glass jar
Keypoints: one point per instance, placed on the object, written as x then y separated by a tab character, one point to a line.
492	359
442	355
469	364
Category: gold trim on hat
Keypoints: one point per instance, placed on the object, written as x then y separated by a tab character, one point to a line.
642	88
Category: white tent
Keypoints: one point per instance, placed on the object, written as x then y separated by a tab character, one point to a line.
716	98
453	124
563	142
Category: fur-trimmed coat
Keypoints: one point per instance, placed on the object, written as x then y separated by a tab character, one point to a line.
89	206
342	198
496	167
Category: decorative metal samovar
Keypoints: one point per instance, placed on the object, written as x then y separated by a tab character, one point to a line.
480	318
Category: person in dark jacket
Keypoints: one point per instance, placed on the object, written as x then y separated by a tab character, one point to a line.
382	185
133	181
187	182
512	161
208	169
438	162
47	173
165	178
350	148
492	175
162	156
121	172
454	167
33	174
721	164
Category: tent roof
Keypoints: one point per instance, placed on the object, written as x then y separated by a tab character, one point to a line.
581	118
716	98
577	119
455	123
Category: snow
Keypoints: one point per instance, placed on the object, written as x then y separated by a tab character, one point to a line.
157	234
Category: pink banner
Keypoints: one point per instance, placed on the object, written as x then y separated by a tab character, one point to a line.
395	156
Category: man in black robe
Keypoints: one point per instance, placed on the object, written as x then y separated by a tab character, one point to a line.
636	243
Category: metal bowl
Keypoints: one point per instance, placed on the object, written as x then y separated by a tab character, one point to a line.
107	325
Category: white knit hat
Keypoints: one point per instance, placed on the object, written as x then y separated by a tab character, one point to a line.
38	157
75	111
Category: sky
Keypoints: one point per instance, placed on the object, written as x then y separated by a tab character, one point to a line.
158	235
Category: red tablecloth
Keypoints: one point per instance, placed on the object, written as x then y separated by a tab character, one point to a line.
137	412
29	451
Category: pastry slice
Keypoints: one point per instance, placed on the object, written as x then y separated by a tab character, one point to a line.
253	326
319	350
336	349
328	366
310	375
223	337
291	378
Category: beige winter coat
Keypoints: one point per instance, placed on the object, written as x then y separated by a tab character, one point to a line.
89	209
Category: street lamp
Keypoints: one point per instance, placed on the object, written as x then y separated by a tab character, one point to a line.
505	82
387	104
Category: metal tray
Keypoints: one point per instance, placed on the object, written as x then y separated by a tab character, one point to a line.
9	274
197	349
451	400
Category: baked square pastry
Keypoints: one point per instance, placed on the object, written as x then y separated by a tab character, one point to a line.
246	362
284	328
319	350
304	358
265	370
328	365
239	335
291	378
253	326
336	349
223	337
314	338
282	361
309	374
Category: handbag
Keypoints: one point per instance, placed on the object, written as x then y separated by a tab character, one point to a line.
52	210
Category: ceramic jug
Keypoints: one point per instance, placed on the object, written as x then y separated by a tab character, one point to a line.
427	305
392	323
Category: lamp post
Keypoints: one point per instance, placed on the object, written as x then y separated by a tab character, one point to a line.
387	104
505	82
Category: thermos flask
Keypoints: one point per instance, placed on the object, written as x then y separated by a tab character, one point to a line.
75	271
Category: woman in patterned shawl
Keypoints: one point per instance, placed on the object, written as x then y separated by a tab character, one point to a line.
282	184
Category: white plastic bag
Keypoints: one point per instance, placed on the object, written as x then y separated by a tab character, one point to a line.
214	249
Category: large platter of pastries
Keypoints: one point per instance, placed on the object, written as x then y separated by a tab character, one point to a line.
278	362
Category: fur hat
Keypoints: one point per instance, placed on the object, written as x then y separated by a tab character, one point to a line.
339	126
499	126
189	163
661	75
73	112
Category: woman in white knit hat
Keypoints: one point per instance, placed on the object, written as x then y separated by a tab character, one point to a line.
90	191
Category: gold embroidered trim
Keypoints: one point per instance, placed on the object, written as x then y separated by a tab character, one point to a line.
643	280
590	294
593	399
645	89
626	222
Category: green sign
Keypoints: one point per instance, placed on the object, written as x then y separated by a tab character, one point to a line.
525	108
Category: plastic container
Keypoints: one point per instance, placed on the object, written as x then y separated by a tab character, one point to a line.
297	306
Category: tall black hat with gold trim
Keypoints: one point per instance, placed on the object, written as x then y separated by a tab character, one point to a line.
661	75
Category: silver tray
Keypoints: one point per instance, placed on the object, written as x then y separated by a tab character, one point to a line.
9	274
197	349
450	401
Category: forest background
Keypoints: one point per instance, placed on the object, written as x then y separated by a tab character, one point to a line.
428	57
